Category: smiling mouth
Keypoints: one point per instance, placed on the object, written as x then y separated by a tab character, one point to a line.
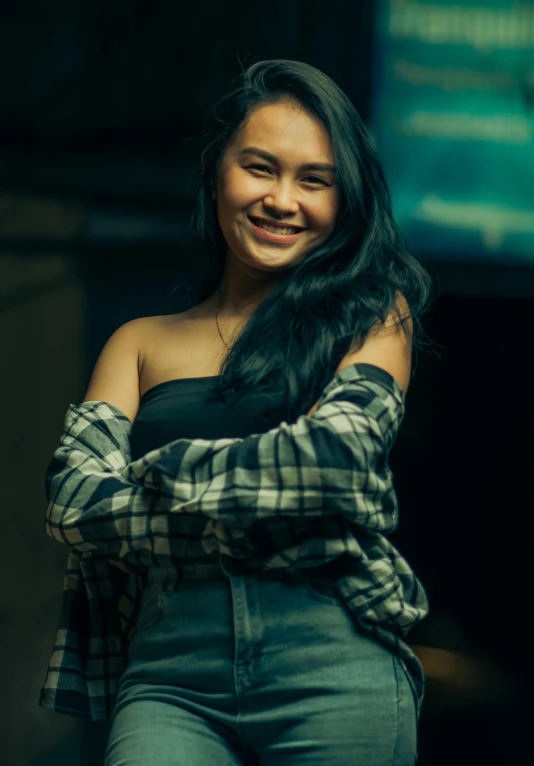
276	228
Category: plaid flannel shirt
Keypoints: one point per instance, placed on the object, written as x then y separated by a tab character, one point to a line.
298	495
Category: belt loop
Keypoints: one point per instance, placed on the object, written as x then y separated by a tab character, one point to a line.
171	580
223	565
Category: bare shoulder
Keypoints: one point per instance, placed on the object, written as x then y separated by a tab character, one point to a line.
144	352
388	346
115	377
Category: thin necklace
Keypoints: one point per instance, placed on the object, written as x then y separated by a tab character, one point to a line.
218	328
223	340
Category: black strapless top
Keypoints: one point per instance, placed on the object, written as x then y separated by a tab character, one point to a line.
187	408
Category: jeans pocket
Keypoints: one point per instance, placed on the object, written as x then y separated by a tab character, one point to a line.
150	609
323	589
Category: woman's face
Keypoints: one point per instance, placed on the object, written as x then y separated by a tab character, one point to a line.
283	181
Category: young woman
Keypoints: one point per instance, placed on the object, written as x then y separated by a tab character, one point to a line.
306	275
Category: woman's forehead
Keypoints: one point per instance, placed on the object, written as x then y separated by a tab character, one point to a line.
272	125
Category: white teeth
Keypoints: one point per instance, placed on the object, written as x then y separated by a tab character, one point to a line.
276	229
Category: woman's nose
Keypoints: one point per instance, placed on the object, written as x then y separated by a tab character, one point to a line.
281	203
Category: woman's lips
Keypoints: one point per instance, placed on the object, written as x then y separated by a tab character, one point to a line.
269	236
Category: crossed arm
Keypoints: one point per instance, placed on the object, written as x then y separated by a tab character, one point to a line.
213	480
246	497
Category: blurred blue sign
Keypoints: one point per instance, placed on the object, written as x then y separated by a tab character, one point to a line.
453	120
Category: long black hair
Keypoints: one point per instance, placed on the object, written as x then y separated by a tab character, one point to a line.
326	303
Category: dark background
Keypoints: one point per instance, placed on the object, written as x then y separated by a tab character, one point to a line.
101	104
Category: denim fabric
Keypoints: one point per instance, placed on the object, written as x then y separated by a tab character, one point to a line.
264	668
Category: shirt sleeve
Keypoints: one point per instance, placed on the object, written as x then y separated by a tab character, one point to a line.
322	475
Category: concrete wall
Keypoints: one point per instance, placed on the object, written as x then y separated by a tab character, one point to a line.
42	318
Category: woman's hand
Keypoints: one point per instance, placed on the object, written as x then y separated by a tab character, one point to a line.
124	567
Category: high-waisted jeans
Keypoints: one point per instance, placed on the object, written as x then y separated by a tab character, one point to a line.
264	667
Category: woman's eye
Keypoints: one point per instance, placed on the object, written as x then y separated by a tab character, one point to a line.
321	181
314	179
258	167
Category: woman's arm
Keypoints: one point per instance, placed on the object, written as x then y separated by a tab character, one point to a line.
192	497
333	463
388	346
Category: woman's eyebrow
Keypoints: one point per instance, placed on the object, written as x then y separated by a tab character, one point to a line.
271	158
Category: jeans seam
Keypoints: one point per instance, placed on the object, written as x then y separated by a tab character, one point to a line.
403	689
398	702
